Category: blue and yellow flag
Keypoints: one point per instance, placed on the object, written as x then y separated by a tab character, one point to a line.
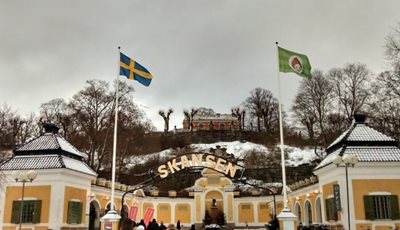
134	71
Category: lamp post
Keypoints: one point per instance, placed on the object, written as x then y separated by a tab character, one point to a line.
23	177
346	161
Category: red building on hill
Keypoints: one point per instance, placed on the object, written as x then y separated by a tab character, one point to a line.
212	122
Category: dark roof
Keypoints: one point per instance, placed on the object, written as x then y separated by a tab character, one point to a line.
35	162
49	143
48	151
368	144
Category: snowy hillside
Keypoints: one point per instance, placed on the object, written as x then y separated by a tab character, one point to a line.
239	149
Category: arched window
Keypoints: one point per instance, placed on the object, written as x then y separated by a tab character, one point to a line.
297	210
318	209
308	213
94	215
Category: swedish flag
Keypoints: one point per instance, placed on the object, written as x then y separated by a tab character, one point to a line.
134	71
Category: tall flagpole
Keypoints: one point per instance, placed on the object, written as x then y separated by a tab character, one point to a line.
114	156
112	216
285	201
286	216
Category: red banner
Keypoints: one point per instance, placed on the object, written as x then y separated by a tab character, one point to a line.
133	212
148	215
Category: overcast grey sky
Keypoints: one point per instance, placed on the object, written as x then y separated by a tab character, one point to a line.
207	53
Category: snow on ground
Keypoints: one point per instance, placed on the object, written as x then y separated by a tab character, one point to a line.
237	148
296	156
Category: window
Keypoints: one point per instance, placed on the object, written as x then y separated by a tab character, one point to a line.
30	211
182	208
381	207
331	213
74	212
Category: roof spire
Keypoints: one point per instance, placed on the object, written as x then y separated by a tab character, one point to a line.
359	118
50	128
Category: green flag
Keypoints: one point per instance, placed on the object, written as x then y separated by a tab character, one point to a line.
294	62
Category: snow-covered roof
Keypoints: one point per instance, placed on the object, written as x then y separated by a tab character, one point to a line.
368	144
48	142
35	162
360	133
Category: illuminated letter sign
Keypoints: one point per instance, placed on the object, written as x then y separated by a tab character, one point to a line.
192	160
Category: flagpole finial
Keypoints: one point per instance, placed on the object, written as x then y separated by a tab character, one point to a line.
119	47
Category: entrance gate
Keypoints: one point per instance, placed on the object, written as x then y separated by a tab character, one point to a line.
195	162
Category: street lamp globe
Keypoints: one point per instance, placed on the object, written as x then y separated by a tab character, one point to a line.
350	159
24	176
338	160
31	175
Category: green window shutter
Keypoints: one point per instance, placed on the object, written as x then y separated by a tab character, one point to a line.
79	213
37	211
394	207
330	209
16	208
70	212
369	208
74	212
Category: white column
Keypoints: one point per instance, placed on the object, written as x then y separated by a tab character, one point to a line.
56	205
173	205
255	212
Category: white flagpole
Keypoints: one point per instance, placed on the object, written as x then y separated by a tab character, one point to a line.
115	136
285	201
112	216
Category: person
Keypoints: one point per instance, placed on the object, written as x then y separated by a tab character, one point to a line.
141	223
178	225
162	226
273	223
127	224
193	227
153	225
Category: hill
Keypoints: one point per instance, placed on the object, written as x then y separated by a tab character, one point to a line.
262	163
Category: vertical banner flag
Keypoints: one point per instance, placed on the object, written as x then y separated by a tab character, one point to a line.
133	70
294	62
148	215
133	212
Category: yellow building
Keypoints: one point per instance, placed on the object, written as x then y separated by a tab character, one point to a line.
57	198
353	194
67	195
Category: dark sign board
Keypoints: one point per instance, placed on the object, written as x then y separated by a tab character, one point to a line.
336	194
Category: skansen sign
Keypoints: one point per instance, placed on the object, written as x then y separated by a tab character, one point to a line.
214	162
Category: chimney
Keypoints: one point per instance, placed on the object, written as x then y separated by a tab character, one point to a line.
360	118
50	128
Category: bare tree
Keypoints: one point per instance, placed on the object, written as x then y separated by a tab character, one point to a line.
239	114
313	104
263	105
351	87
189	115
166	116
304	114
385	100
14	130
392	45
93	107
270	112
58	112
255	104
